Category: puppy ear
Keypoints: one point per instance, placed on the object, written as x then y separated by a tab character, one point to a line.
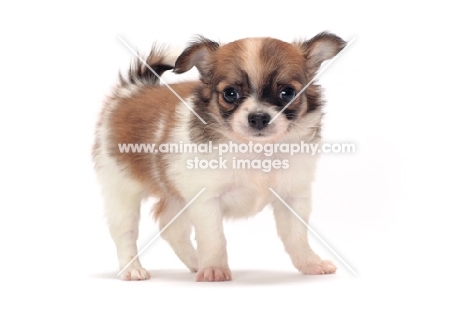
320	48
196	54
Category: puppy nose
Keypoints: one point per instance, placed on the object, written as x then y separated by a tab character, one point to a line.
259	120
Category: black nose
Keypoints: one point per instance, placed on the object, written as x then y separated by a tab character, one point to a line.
259	120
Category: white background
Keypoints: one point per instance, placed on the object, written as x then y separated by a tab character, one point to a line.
395	211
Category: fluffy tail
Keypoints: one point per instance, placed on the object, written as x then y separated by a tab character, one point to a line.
148	70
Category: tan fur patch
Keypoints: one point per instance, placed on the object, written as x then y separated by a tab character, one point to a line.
135	120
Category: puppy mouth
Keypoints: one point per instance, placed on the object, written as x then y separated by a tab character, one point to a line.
258	135
261	137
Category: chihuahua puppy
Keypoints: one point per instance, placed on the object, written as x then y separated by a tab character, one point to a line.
243	87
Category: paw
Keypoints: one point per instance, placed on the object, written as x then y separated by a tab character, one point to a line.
135	274
212	274
318	267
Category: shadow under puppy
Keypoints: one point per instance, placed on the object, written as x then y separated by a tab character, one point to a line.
243	85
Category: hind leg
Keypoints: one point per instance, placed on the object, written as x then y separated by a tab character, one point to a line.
122	200
177	234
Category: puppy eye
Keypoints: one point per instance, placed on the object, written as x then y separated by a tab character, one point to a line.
287	93
231	95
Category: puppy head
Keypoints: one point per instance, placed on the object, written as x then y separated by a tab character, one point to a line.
247	83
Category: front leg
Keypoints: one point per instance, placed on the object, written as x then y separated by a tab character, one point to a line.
206	216
293	233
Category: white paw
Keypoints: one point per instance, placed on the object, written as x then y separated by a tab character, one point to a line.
318	267
213	274
193	267
135	274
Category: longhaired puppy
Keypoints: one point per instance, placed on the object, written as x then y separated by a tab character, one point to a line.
239	98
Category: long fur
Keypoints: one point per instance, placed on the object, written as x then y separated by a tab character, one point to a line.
242	85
